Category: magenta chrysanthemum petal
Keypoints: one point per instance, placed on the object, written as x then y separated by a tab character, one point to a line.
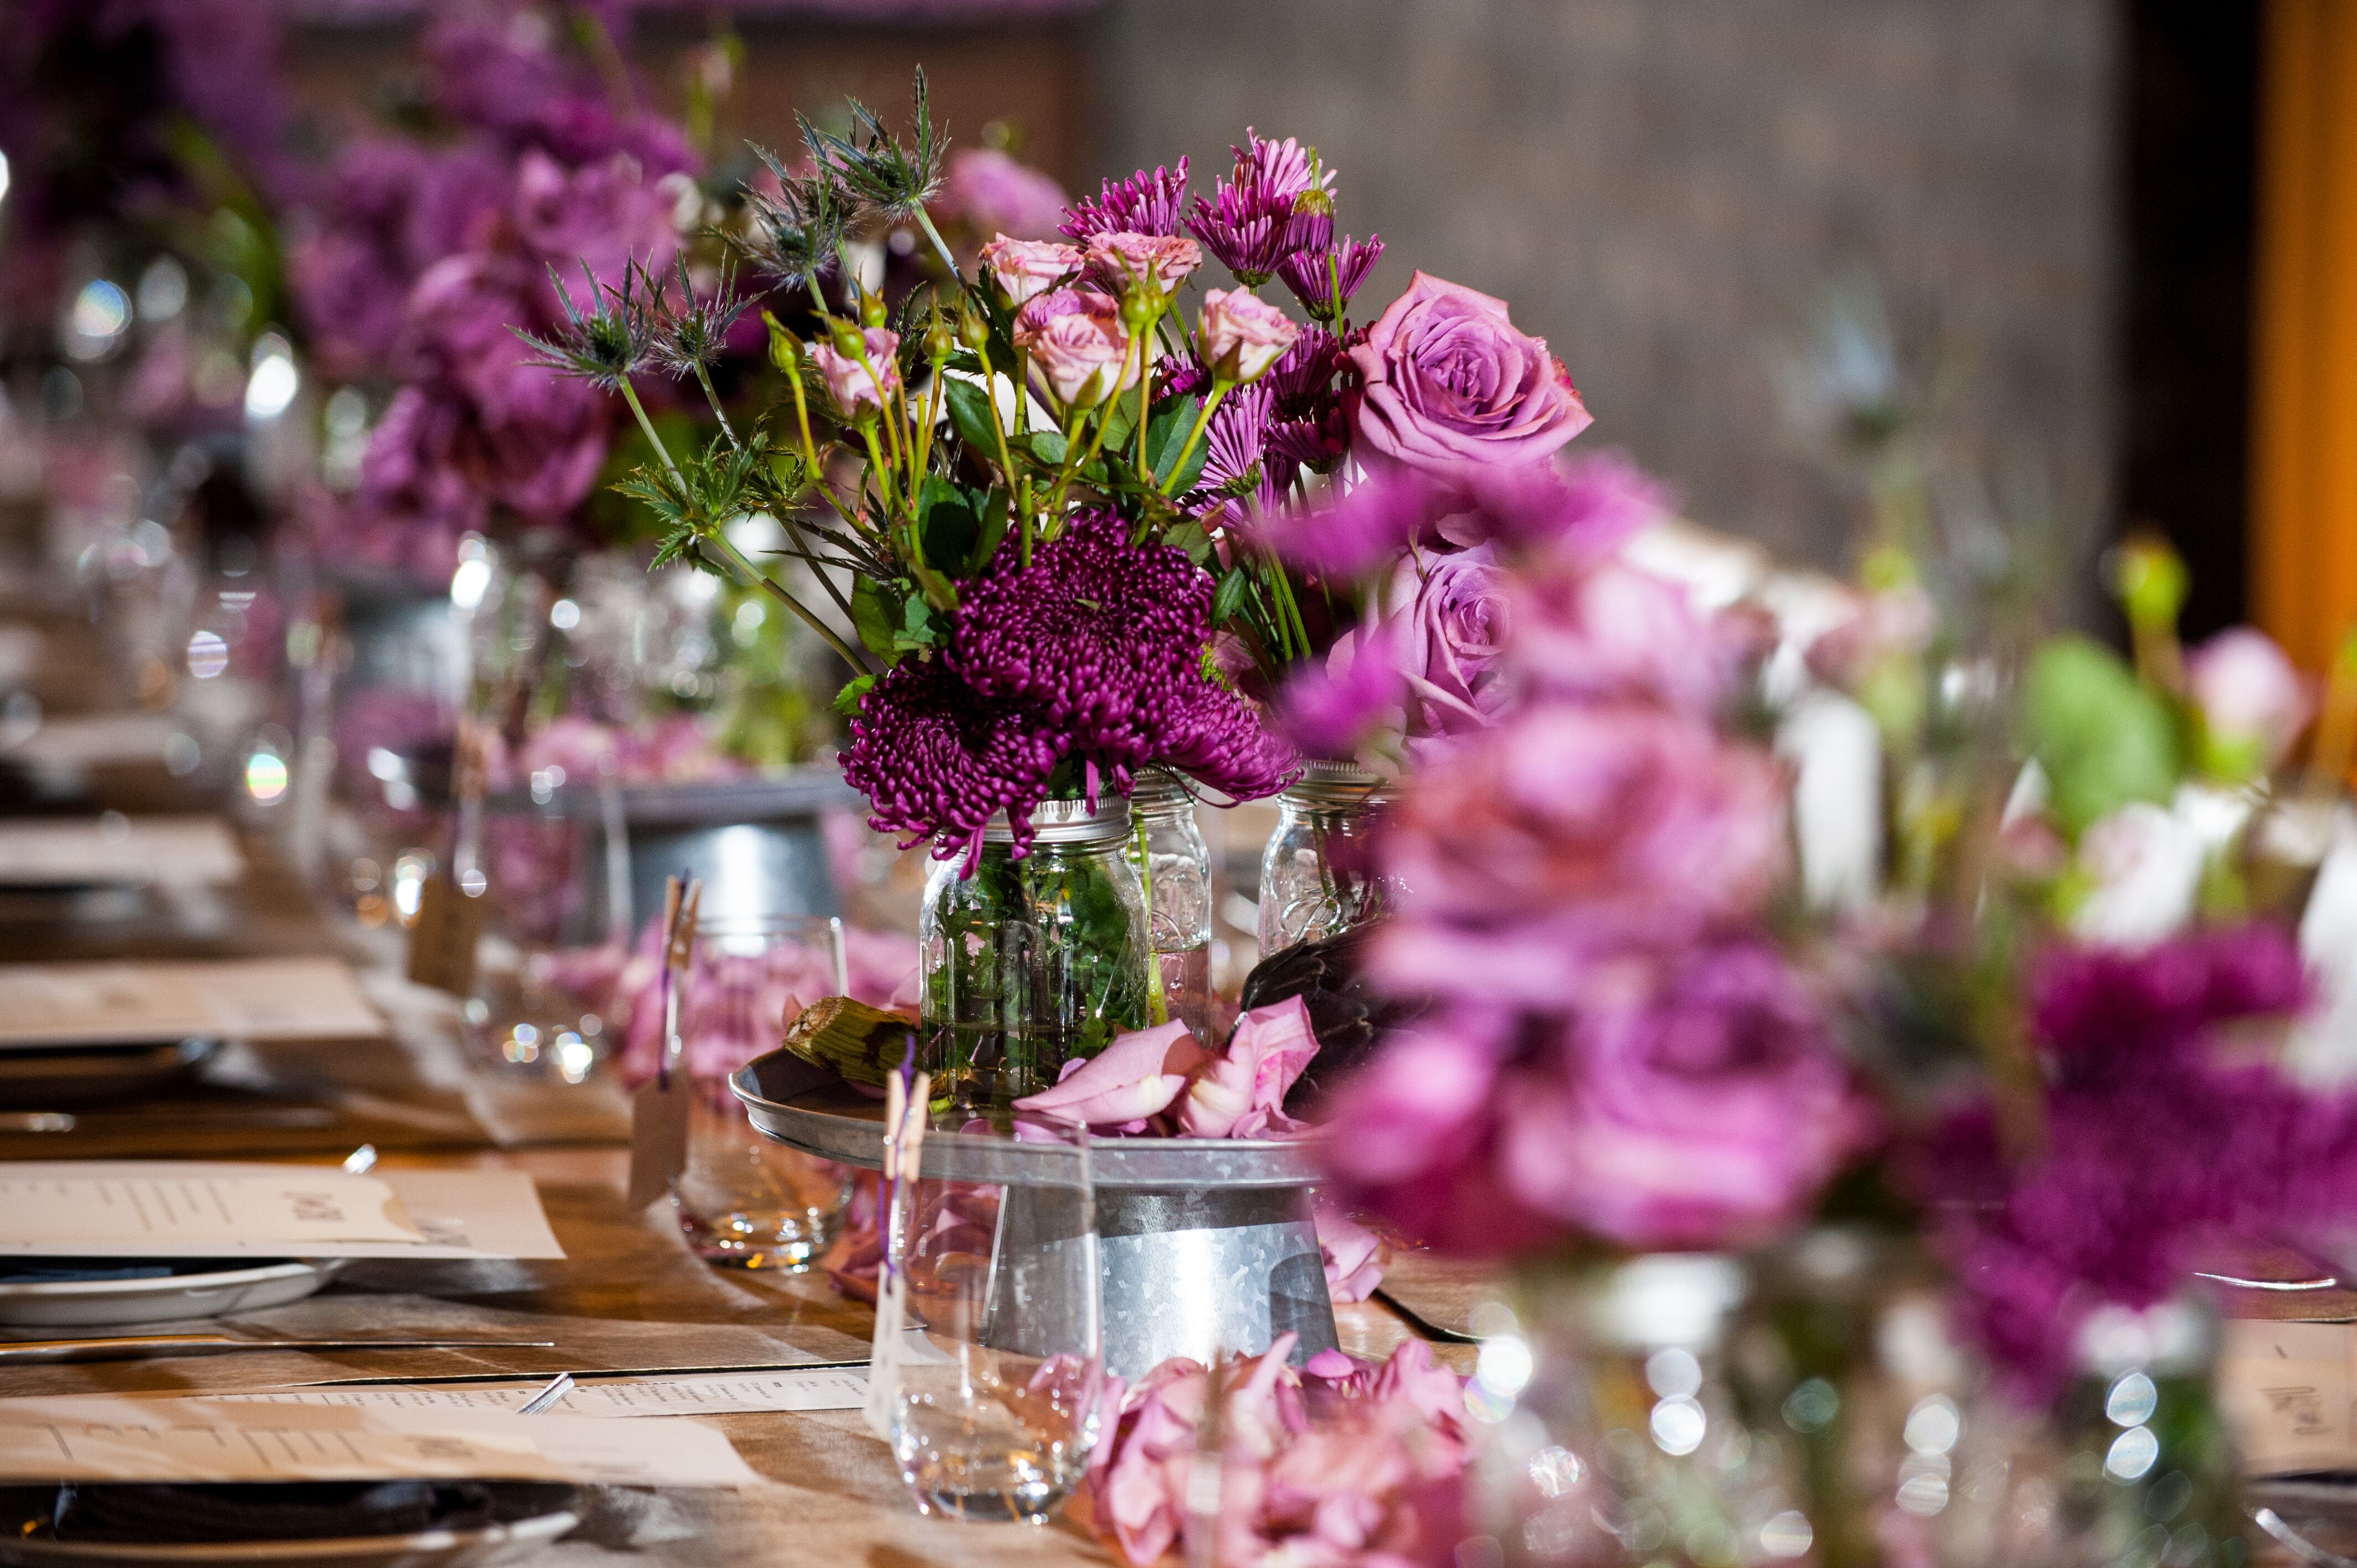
1142	204
936	762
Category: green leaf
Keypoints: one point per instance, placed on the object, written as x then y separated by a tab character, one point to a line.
997	514
1166	430
875	612
1231	595
1045	446
1121	422
1187	535
918	626
947	525
847	702
970	414
2103	737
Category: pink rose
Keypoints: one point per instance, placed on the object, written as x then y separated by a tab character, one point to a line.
1244	334
2253	702
1703	1104
848	380
1079	347
1615	630
1025	269
1241	1094
1135	1077
1570	825
1116	259
1450	620
991	193
1450	381
1354	1256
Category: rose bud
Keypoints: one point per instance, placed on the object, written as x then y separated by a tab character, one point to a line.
1244	334
1022	270
1078	345
848	380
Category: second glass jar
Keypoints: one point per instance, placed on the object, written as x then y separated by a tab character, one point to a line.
1316	879
1174	864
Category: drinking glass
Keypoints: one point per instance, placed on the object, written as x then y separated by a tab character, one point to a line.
744	1200
995	1379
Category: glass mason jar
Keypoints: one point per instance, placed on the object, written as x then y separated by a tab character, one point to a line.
1315	876
2134	1465
1027	964
1615	1433
1175	864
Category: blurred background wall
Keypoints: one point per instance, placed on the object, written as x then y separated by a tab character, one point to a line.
2051	200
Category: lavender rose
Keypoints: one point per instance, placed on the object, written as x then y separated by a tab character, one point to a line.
1701	1106
1025	269
1118	259
1450	618
1450	381
1244	334
848	381
1079	347
1568	830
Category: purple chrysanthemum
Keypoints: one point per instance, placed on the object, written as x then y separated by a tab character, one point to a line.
1142	204
1324	278
936	762
1236	451
1250	220
1090	637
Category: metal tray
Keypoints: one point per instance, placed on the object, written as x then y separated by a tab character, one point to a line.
838	1122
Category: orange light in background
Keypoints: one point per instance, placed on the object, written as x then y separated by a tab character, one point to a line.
2304	406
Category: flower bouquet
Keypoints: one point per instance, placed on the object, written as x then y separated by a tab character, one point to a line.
1026	507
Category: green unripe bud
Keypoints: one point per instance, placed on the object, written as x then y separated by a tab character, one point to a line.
871	310
973	330
848	340
785	348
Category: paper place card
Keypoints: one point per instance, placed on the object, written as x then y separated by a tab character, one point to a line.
202	1208
97	740
113	1438
173	851
2286	1390
129	1002
693	1393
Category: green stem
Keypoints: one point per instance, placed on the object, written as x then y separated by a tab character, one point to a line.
1155	998
998	426
630	396
753	576
876	461
1096	443
1203	422
703	378
941	246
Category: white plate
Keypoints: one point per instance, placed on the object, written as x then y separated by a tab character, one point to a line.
84	1304
428	1549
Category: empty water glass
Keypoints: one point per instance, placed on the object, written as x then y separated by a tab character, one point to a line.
744	1200
994	1382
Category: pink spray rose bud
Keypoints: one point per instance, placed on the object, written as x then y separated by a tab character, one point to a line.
1118	259
1077	345
1450	381
1244	334
2254	702
1026	269
848	380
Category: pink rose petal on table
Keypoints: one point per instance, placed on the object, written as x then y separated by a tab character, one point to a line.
1135	1077
1242	1093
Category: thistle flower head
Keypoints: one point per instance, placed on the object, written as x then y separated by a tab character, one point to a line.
695	333
798	234
609	339
885	177
1142	204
